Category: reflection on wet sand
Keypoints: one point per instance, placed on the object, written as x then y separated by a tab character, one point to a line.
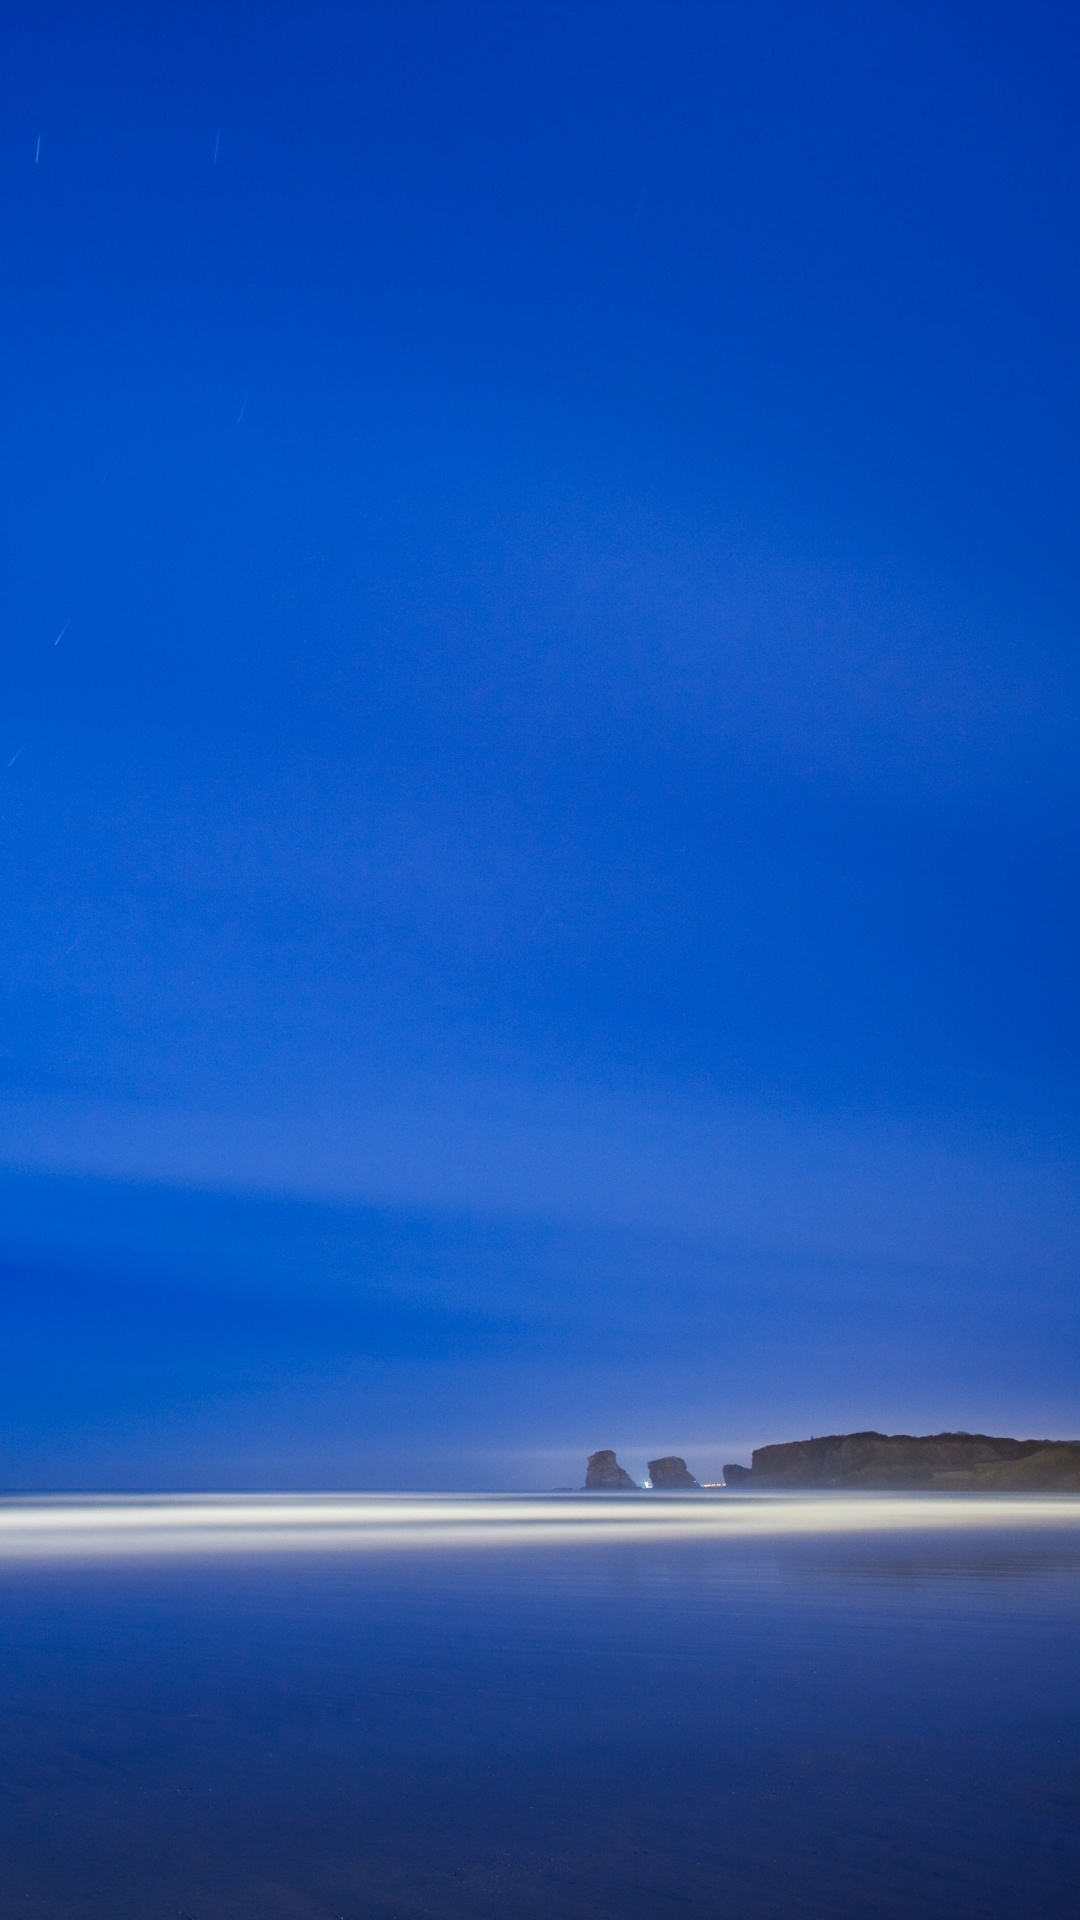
779	1708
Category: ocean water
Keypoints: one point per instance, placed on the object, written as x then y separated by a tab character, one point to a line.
737	1709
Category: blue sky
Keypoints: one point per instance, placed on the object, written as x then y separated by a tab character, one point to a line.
539	712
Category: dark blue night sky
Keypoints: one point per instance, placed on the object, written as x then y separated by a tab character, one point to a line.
539	711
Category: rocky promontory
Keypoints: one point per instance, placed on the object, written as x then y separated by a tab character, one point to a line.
907	1463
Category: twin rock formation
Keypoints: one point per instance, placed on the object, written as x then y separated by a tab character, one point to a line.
604	1474
877	1463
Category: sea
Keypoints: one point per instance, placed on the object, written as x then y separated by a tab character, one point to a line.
596	1707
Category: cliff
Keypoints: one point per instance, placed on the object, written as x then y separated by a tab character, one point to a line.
902	1462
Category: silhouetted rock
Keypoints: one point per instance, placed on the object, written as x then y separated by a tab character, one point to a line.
902	1462
737	1476
604	1474
671	1472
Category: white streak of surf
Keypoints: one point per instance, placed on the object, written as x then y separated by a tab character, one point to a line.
91	1526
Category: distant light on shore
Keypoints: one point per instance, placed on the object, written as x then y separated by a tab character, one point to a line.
185	1524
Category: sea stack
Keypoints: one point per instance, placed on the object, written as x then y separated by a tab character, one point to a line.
603	1474
671	1472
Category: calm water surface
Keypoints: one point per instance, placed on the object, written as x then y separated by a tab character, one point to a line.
864	1725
